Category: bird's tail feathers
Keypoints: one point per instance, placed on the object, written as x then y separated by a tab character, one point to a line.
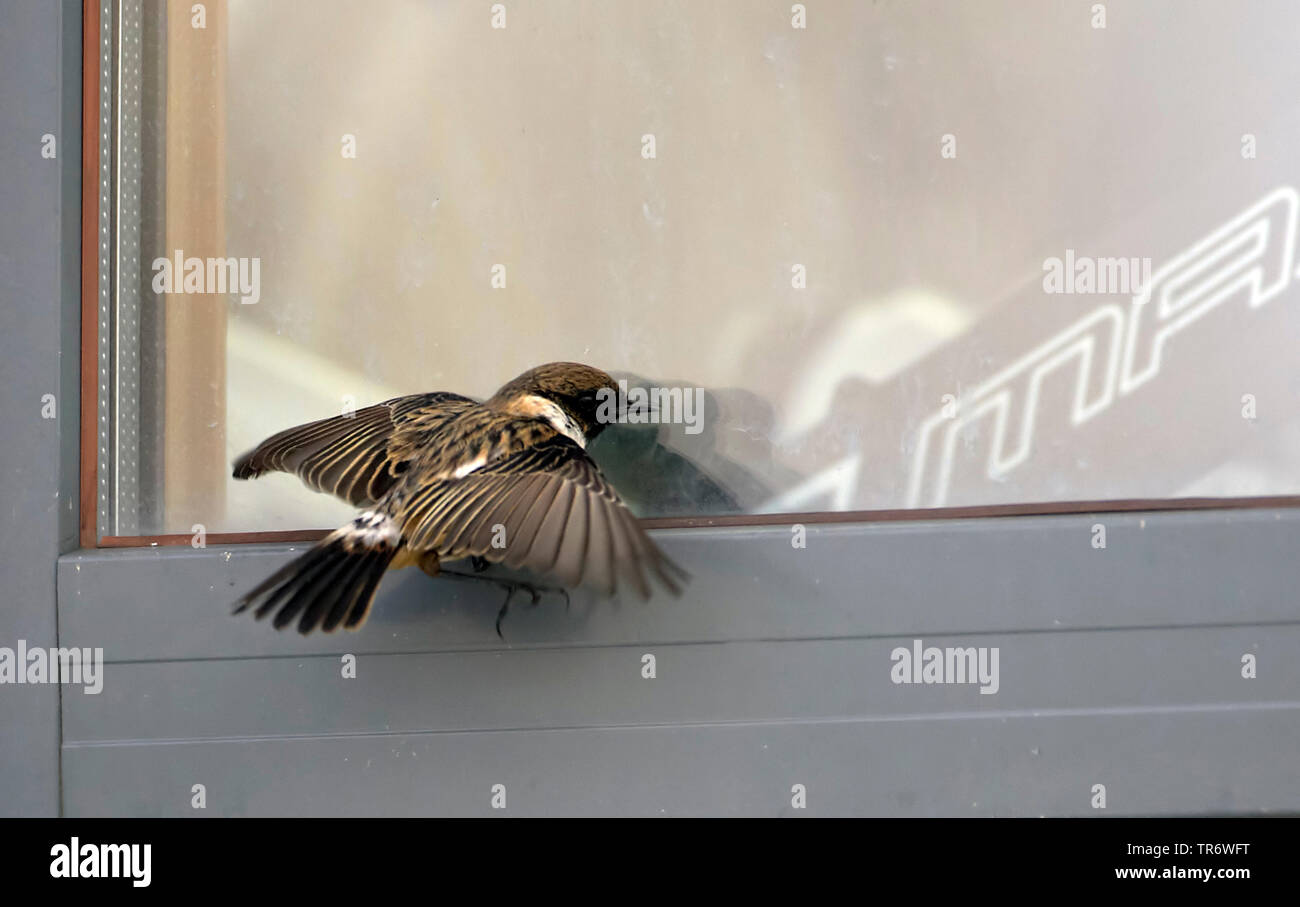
334	583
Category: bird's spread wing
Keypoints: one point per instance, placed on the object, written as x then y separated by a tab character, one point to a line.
546	508
357	456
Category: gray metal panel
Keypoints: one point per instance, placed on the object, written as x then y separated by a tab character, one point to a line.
1119	666
124	376
963	576
106	512
1208	760
705	683
40	91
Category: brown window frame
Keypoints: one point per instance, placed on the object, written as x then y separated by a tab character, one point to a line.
89	537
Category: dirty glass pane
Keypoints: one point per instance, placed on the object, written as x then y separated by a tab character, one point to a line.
912	254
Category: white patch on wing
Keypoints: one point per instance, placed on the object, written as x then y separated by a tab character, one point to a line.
466	468
372	529
553	413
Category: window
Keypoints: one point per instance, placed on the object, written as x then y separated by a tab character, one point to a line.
1071	278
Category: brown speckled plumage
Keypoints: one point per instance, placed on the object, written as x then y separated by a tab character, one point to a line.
446	478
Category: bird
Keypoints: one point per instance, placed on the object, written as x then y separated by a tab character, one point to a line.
444	478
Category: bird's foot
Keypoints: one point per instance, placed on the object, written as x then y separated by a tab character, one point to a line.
534	593
511	586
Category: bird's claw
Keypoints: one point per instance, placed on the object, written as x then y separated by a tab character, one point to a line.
535	594
505	606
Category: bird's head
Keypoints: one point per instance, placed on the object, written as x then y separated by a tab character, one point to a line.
578	400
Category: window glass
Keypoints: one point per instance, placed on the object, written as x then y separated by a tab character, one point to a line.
910	255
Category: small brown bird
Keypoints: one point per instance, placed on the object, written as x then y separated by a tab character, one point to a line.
445	478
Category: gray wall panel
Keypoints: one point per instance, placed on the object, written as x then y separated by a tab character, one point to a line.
694	684
963	576
1119	666
39	212
1234	759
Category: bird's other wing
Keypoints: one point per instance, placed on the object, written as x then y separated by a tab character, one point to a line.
545	507
357	456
